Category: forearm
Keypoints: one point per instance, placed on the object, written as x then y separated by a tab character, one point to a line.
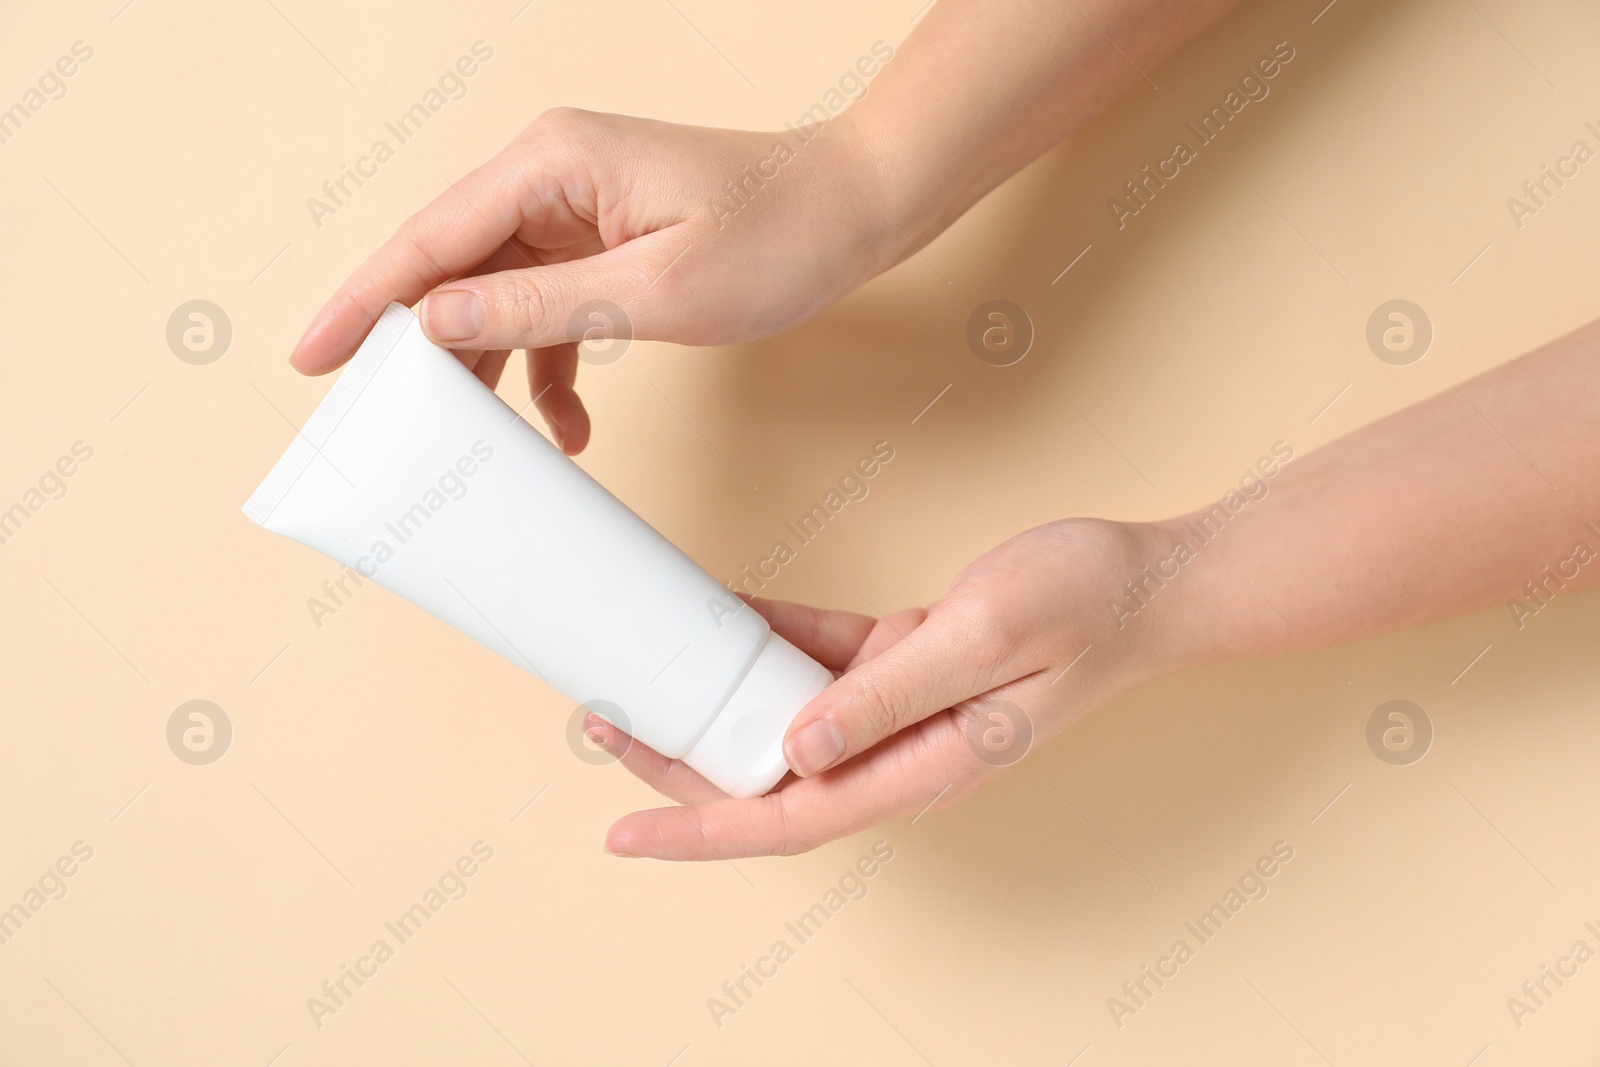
1452	505
981	88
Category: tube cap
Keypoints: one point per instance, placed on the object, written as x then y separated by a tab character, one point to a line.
741	752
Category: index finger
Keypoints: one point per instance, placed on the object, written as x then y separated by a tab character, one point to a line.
832	638
463	226
917	768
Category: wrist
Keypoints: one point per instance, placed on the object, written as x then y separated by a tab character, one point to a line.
1174	603
1210	609
1114	615
910	198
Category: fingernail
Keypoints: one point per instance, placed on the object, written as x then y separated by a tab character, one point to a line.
595	731
815	748
453	315
617	843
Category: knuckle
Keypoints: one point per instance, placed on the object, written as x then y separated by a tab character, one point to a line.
791	839
410	227
989	630
564	133
418	233
962	769
875	712
521	305
557	121
421	223
575	142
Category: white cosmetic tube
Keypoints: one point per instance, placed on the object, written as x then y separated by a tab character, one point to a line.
416	475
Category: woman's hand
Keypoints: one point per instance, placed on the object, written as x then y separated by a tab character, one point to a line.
590	226
930	704
698	236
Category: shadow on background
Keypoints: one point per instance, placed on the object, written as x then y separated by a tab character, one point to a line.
1266	743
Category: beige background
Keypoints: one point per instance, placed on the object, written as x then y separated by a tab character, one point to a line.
369	754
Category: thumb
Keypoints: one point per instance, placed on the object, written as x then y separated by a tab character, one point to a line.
610	295
946	660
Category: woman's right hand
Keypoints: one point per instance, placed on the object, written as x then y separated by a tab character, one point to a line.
698	236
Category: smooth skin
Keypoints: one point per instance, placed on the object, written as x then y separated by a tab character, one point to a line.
1439	509
583	207
1446	507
